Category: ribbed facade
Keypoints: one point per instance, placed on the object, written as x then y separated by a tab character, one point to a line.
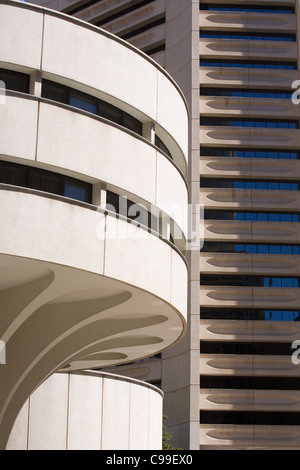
244	58
249	265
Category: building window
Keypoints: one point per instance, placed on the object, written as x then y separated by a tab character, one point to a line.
126	208
246	64
46	181
251	248
62	94
251	216
249	184
250	383
246	280
247	36
244	348
249	153
159	143
247	8
15	81
246	93
270	418
249	314
260	123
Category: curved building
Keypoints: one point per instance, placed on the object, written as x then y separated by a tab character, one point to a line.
242	58
89	410
93	202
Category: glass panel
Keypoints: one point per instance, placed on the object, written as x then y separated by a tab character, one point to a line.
15	80
12	174
75	192
54	91
83	102
45	182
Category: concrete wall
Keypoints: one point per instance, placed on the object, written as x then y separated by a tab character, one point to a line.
90	411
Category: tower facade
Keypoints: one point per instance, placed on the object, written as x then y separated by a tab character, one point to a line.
237	62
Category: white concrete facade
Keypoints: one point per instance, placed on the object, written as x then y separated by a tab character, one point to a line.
83	286
178	34
89	411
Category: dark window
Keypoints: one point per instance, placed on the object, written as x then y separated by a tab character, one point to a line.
249	184
15	81
248	36
262	123
250	417
260	248
248	64
249	314
114	114
249	153
159	143
83	101
123	206
247	8
246	280
244	348
63	94
250	383
246	93
56	92
46	181
251	216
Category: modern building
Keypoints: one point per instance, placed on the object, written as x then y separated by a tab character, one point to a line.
237	62
93	232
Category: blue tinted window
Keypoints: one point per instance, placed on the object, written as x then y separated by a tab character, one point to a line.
85	105
247	64
274	315
74	192
287	250
262	249
275	250
262	217
288	315
239	248
275	282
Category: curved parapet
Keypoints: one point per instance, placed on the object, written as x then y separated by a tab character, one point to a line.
90	411
93	202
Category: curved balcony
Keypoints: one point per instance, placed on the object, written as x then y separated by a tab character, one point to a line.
80	55
83	286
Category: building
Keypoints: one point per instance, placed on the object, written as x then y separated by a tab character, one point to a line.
249	165
93	265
